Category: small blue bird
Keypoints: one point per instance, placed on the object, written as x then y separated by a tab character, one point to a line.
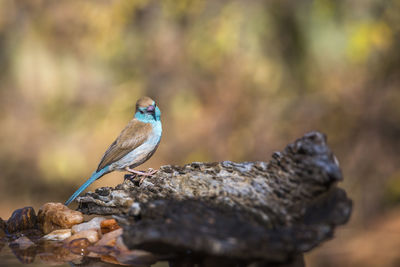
135	144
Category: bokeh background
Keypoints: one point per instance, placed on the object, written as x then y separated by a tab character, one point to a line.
235	80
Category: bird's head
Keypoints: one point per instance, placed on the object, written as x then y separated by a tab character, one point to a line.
147	110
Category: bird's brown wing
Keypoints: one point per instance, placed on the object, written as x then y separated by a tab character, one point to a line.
134	134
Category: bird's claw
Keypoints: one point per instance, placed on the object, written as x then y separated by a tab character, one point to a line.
130	176
152	171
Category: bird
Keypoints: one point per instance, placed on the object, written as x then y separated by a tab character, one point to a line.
136	144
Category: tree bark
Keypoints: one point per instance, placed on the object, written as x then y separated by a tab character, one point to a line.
272	211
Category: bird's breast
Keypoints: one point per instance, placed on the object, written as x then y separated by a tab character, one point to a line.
143	152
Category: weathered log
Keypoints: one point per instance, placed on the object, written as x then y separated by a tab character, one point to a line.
272	211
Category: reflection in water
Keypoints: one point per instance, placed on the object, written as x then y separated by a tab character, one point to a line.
23	251
1	245
29	247
26	244
56	254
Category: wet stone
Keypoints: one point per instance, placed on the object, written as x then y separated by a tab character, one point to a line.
110	238
109	226
58	235
79	246
22	219
92	235
111	245
53	216
92	224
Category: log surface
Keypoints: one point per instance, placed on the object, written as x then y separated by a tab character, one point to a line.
272	210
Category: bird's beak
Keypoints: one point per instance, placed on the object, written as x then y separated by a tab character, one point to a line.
151	109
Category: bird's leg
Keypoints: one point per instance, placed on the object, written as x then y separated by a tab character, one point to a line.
150	172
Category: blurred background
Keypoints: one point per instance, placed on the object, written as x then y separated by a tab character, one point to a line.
235	80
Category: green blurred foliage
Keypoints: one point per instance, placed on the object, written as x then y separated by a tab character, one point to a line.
235	80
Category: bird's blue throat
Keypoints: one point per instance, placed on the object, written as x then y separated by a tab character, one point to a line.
148	118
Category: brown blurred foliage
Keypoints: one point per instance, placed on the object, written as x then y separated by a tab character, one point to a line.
235	80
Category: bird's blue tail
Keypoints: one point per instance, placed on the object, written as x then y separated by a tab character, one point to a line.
93	178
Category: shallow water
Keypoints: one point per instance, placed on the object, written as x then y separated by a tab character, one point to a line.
18	258
8	258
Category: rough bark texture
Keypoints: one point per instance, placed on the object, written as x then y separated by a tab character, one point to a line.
252	210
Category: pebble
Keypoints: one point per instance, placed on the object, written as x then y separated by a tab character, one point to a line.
110	238
106	244
92	224
22	219
109	226
92	235
58	235
53	216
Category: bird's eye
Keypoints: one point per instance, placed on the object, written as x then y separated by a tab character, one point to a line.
141	111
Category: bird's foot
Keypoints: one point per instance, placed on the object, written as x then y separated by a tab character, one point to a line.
130	176
150	172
